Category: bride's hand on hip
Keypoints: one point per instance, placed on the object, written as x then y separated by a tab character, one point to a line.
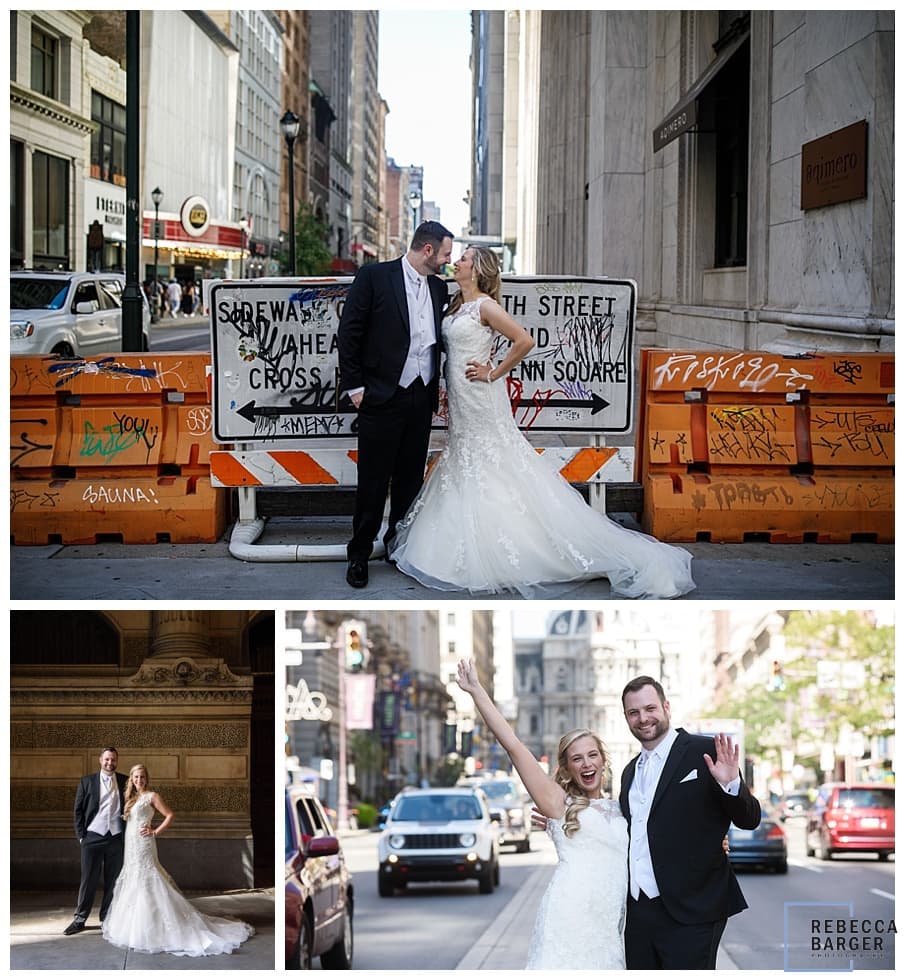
478	371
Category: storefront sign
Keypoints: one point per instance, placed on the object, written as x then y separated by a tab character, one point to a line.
106	204
195	216
834	167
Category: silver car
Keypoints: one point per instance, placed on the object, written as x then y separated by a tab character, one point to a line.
74	314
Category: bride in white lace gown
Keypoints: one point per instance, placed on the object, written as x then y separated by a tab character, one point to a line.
580	919
149	913
593	868
493	515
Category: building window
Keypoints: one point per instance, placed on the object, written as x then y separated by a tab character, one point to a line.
44	49
50	207
727	106
16	209
108	141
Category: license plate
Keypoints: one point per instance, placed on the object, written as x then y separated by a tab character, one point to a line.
742	834
870	823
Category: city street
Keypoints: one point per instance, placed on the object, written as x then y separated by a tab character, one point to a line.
451	926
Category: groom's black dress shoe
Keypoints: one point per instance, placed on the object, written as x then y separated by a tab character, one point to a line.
73	928
357	573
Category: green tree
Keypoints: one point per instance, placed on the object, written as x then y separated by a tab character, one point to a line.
367	754
312	256
803	710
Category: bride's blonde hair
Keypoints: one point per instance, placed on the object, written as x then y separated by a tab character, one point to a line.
576	797
131	792
486	267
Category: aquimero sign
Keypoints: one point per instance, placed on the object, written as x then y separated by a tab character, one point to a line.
275	361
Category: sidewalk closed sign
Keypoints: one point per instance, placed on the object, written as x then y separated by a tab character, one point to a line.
275	358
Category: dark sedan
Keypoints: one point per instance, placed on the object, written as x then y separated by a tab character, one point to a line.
764	847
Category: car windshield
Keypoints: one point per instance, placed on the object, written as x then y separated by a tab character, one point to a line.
27	293
437	809
499	790
881	799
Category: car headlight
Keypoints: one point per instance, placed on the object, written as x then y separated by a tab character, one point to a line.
20	329
397	841
467	840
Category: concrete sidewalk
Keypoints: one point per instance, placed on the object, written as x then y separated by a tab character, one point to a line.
105	571
504	943
36	940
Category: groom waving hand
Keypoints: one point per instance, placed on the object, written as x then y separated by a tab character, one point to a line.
679	797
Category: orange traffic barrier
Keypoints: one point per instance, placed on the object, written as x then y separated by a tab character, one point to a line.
748	445
114	447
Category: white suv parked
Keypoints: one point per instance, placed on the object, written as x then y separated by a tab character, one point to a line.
69	313
441	834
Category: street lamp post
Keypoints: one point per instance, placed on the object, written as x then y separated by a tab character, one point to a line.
415	201
289	124
156	197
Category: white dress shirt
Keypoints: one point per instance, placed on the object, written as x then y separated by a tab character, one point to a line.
422	330
107	819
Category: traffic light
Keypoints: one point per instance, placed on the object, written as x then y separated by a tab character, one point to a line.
354	643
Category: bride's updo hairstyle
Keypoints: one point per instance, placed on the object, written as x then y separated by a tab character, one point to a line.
576	798
486	268
131	792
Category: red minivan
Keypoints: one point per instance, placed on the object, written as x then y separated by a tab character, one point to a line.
852	817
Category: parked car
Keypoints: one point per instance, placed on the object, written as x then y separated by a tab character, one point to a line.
442	834
319	894
510	806
852	817
73	314
794	805
764	847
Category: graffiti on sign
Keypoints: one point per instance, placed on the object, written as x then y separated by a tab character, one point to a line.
275	357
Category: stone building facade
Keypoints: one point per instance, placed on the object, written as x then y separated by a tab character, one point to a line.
187	693
669	149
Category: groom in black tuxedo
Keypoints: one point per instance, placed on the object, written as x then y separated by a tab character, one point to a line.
389	365
679	797
99	828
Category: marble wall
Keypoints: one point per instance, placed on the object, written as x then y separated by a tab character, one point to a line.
608	204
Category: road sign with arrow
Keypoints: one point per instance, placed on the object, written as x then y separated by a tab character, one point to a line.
275	365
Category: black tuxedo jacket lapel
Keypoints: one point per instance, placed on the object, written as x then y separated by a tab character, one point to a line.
397	282
670	768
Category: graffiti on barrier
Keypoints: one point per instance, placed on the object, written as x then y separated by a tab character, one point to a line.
18	451
20	499
66	370
119	495
120	436
748	372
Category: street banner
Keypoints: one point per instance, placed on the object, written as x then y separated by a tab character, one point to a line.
276	375
359	691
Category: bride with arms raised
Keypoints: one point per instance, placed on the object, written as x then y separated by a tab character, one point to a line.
580	919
